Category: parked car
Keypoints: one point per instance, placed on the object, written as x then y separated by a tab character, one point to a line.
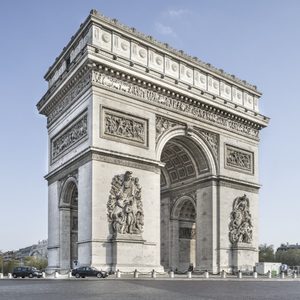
26	272
88	271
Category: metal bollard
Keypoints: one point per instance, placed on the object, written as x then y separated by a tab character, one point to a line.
9	275
206	274
171	274
135	273
118	274
189	274
1	275
70	275
43	275
239	275
254	274
294	275
153	274
269	274
282	275
56	274
223	274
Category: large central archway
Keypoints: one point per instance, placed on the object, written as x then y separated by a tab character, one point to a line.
186	165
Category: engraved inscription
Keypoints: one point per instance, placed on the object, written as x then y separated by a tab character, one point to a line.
69	137
178	105
239	159
187	233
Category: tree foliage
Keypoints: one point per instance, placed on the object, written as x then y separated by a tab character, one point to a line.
266	253
39	263
290	257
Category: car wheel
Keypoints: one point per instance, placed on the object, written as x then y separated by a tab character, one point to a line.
23	276
99	275
15	276
30	275
77	275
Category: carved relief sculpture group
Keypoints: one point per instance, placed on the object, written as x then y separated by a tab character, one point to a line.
125	208
240	227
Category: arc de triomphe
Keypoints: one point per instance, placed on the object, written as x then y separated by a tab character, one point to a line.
153	156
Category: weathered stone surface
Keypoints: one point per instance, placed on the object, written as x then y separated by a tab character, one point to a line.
150	152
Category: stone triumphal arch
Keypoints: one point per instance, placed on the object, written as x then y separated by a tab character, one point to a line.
153	156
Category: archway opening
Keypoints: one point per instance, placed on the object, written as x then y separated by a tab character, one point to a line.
69	225
184	165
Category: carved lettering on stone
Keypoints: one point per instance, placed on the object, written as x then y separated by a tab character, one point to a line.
126	127
240	226
163	125
239	159
69	137
174	104
125	207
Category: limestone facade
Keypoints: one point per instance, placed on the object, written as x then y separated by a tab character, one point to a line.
153	156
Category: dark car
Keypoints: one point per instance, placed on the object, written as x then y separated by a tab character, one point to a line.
26	272
88	271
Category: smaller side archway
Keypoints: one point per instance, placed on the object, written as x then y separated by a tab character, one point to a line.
183	228
68	212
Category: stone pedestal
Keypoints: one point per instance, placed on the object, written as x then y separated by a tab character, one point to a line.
244	257
130	252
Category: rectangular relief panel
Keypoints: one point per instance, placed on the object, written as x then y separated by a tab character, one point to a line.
239	159
69	137
123	127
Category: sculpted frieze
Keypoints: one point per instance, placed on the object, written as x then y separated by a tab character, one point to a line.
125	207
125	127
175	104
239	159
240	226
69	137
69	98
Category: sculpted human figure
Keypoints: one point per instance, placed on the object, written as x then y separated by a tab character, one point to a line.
125	211
240	227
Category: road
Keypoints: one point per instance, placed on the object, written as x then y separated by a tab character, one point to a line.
108	289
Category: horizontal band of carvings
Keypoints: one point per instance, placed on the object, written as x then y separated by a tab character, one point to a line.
123	127
239	159
75	86
184	105
70	136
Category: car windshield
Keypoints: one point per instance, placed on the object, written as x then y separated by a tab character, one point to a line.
93	268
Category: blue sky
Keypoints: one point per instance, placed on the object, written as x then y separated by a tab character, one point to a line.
257	40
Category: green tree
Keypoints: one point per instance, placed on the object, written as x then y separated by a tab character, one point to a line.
266	253
39	263
290	257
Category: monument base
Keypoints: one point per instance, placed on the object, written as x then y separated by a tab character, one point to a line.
130	252
244	257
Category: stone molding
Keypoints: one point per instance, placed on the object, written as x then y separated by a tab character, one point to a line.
76	131
239	159
183	105
123	127
65	97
